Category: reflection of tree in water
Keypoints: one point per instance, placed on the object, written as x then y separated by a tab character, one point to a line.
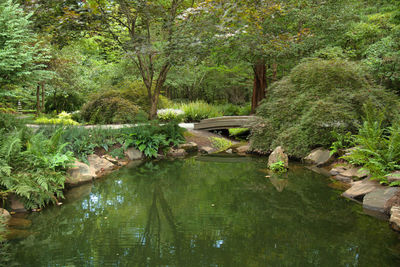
149	249
197	213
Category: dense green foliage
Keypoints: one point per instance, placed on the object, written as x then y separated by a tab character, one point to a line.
317	97
150	139
377	148
278	167
107	110
31	165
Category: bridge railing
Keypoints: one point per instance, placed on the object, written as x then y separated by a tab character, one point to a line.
224	122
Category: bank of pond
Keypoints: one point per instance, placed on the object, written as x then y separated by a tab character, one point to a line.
202	210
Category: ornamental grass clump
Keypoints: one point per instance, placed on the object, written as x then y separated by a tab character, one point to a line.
199	110
170	114
317	97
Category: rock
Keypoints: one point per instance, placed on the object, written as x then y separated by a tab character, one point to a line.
99	165
133	153
79	174
361	188
111	159
394	201
278	155
394	177
16	204
176	152
5	214
319	157
229	151
376	200
337	170
242	150
395	218
189	147
206	149
355	172
343	179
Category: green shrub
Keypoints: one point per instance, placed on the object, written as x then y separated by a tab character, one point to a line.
199	110
318	97
136	92
32	166
342	141
7	110
9	122
221	144
150	138
108	110
278	167
56	121
170	114
377	148
238	131
69	102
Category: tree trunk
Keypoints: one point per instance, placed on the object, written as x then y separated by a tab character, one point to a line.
159	84
37	100
42	108
260	84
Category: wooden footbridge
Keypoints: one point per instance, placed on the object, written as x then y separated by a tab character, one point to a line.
224	122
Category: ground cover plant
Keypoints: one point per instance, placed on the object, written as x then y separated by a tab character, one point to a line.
377	147
32	166
316	98
150	138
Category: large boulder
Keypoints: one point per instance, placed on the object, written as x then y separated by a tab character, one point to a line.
361	188
278	155
133	153
319	156
80	173
376	200
99	165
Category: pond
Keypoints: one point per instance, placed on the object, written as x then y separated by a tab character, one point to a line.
206	211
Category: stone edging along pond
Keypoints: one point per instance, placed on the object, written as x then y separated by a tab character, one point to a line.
377	200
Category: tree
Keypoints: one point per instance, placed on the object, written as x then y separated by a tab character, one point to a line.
149	34
22	57
271	35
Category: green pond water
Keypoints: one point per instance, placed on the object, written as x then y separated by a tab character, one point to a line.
206	211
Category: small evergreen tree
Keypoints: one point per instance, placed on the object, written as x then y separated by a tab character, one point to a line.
23	59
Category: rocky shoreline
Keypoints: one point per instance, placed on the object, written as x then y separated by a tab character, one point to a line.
378	200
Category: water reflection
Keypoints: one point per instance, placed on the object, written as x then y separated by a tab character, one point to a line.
202	212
